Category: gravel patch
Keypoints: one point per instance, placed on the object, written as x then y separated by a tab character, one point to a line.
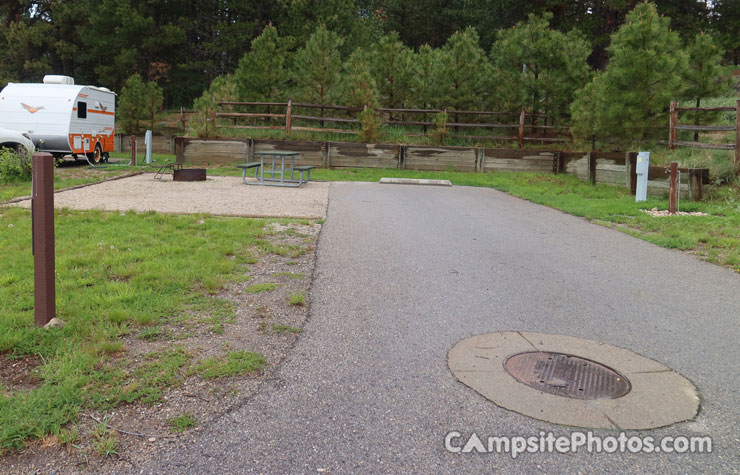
218	195
656	213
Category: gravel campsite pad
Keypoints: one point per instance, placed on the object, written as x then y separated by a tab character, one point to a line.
218	195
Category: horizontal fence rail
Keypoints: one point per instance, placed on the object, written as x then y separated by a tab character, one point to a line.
674	126
520	132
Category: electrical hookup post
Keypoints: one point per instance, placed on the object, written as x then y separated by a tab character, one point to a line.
42	238
642	170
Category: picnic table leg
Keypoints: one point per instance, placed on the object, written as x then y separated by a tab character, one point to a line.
244	175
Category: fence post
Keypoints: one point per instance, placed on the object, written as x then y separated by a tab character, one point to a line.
673	119
179	149
695	179
325	148
591	168
557	164
737	137
42	228
673	188
288	112
133	150
521	128
631	166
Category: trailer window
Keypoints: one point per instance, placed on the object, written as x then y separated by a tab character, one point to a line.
82	110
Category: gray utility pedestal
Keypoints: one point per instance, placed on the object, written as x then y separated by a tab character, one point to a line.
641	170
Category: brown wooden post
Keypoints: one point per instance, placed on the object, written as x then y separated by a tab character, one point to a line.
737	137
133	150
673	120
42	212
632	166
695	178
521	128
673	188
556	163
179	149
288	117
591	168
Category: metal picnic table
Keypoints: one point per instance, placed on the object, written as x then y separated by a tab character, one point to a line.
276	173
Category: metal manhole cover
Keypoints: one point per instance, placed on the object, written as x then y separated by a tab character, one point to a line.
566	375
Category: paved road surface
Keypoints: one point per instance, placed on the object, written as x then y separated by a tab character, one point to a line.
404	272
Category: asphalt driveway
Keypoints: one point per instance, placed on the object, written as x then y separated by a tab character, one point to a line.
404	272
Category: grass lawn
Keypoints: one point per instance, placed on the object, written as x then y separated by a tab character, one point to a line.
118	276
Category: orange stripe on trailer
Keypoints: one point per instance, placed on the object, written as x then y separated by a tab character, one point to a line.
101	112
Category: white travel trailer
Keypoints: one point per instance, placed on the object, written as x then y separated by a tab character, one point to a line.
62	118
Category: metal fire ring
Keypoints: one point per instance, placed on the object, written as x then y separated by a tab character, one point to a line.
567	375
189	174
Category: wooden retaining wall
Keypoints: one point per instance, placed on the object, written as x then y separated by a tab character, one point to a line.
496	159
615	168
462	159
160	144
361	155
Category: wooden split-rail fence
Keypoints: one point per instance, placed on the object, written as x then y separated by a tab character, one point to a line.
675	126
520	132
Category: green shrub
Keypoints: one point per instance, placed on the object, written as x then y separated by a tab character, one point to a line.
14	166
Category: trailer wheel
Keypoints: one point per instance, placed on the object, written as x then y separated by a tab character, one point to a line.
96	157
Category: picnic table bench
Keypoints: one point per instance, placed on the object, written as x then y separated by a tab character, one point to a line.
276	175
161	168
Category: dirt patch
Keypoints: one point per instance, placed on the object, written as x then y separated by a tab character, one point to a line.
263	322
20	373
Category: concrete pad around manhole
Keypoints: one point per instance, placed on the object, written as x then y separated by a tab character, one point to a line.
415	181
659	396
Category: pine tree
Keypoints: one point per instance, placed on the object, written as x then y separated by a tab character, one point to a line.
464	67
425	81
727	23
391	65
703	76
587	111
538	68
261	72
317	66
203	122
139	105
646	64
359	90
